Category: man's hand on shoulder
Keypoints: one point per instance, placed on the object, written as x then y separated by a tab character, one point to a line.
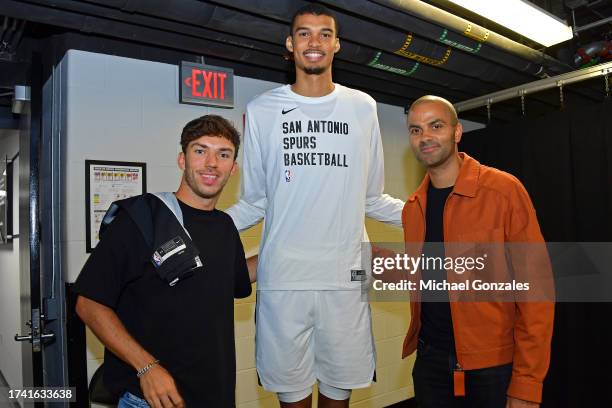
519	403
159	389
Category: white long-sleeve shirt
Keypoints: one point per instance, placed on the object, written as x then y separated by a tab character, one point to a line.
312	169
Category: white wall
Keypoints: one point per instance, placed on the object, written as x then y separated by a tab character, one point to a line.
125	109
10	315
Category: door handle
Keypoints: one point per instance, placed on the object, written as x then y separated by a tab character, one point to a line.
23	338
37	336
29	337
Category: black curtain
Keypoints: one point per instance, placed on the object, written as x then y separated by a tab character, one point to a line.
564	159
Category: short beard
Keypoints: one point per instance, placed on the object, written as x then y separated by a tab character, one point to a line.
314	70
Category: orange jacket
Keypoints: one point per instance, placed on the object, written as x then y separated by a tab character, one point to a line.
488	205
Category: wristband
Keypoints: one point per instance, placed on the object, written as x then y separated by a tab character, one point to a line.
146	368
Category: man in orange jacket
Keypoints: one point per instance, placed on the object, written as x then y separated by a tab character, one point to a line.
476	354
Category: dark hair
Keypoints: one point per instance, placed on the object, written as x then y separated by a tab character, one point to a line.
317	10
210	125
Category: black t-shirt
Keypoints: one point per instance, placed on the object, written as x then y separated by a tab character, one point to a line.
436	321
189	327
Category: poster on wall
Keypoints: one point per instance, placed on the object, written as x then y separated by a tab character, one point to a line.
105	182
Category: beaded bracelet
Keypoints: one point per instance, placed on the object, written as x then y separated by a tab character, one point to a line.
146	368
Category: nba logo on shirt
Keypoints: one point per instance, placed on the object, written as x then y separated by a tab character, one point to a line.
287	175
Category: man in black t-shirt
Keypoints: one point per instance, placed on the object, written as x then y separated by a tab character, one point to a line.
172	345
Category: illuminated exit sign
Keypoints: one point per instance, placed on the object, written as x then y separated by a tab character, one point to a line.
206	85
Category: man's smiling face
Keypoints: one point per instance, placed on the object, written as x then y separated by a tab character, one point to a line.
313	43
433	135
207	164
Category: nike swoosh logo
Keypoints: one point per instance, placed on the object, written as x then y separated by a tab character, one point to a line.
287	111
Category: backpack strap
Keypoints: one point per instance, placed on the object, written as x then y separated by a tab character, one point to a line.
172	203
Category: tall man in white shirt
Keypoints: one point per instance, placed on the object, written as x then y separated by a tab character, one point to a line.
313	169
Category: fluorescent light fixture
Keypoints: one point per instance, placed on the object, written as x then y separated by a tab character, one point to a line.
523	18
2	193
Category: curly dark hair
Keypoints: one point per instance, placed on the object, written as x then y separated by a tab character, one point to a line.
210	125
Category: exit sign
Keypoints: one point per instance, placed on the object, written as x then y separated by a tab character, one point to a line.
202	84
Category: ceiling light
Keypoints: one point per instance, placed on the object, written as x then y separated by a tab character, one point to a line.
523	18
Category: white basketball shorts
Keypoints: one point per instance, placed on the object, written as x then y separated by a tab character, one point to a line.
303	336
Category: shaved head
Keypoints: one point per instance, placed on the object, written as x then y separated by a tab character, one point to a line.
431	98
